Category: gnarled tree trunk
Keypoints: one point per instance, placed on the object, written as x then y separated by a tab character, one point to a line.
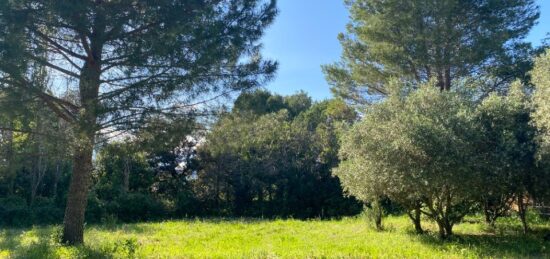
415	216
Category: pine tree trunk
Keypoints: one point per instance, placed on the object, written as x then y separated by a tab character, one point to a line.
85	129
77	197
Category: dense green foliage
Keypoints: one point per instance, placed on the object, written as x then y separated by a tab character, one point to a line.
275	164
441	153
271	156
414	149
541	99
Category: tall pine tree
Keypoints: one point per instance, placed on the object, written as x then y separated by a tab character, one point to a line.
127	61
422	40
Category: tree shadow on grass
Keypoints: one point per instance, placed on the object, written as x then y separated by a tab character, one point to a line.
509	245
135	228
43	244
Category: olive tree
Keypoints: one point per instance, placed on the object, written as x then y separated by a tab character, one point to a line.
541	97
506	153
415	148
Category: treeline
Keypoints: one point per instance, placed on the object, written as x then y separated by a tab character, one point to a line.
270	156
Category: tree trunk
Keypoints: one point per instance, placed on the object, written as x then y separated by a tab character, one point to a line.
85	128
377	210
448	228
443	229
378	219
490	215
10	158
37	176
440	81
126	176
522	212
447	78
56	179
77	197
415	216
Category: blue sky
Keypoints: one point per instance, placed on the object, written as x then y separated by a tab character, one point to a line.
304	37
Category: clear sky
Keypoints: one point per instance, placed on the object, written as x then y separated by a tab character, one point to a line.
304	37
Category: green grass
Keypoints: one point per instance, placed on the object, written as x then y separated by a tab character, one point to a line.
347	238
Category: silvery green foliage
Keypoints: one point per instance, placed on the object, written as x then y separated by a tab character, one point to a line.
414	147
541	98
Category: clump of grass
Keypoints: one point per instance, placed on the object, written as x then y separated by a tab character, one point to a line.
345	238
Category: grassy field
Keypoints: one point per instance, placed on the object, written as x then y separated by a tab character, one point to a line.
347	238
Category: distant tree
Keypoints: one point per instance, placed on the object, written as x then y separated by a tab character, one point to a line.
275	164
261	102
443	40
297	103
128	61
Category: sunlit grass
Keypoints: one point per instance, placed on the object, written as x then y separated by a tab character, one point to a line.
347	238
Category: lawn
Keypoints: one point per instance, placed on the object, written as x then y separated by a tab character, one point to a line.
347	238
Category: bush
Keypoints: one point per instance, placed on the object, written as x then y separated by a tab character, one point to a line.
44	211
187	205
137	207
14	211
96	209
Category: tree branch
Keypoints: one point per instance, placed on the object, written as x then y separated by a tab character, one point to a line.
58	46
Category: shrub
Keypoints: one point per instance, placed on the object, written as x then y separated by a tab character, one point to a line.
44	211
14	211
136	207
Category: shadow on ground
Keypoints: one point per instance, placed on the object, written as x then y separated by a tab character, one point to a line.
43	243
507	245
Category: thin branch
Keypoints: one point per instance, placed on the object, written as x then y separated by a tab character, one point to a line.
60	69
67	58
58	46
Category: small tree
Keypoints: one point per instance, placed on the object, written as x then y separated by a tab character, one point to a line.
506	153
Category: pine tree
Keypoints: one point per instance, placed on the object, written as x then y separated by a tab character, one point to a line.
421	40
128	61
